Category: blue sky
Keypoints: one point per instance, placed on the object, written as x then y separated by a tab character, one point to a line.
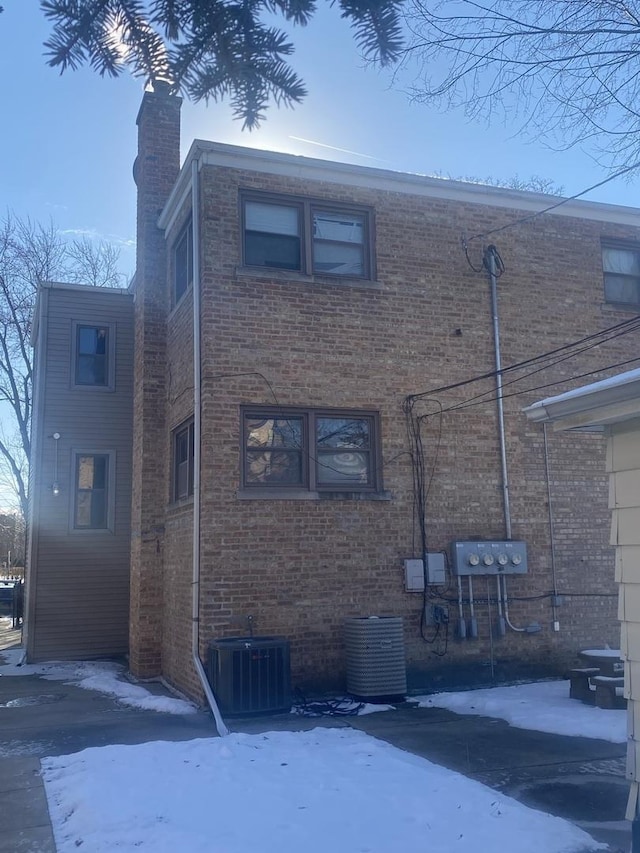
68	142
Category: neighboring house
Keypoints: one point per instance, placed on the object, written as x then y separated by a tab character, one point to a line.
80	532
282	453
613	408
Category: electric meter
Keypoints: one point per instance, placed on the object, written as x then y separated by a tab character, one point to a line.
488	557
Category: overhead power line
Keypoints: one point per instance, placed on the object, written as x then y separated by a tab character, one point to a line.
624	327
558	204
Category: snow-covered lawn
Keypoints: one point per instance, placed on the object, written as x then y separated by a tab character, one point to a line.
543	706
285	792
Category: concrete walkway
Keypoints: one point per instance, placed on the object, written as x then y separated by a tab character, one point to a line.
576	778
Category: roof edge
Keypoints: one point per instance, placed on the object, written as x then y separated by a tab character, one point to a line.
296	165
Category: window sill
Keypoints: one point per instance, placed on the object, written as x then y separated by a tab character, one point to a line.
621	306
100	389
301	278
92	531
177	506
306	495
175	307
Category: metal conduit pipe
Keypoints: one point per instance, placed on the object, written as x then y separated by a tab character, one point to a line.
473	622
490	263
506	605
502	630
552	541
197	424
462	625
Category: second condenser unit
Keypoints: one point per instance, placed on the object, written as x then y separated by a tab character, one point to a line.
375	657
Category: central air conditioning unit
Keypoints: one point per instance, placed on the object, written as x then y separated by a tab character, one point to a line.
250	675
375	657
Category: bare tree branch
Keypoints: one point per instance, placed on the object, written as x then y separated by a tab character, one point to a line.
31	253
567	70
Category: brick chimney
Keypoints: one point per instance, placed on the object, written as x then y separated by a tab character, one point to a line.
155	172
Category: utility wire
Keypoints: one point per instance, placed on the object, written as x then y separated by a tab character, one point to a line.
558	204
484	394
633	322
470	404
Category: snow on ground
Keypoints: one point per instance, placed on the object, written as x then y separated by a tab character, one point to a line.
543	707
103	676
283	792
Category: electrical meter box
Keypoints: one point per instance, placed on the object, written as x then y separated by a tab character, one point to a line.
506	557
414	574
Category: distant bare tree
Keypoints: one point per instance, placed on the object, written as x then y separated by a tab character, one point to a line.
30	253
534	184
565	70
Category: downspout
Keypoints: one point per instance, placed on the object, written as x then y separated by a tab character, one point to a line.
197	388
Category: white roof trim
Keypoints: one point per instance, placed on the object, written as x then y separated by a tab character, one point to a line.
608	401
66	285
307	168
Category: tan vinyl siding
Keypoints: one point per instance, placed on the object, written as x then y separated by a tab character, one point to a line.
623	464
80	595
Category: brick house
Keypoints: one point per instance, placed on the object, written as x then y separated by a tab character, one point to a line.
282	454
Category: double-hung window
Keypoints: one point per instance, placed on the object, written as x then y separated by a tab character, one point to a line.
183	262
307	236
183	456
92	491
621	269
310	449
92	355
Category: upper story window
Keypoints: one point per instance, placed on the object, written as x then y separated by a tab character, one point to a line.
310	449
183	262
92	493
183	455
621	267
307	236
92	355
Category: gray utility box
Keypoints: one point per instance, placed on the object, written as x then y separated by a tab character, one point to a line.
375	656
493	557
250	675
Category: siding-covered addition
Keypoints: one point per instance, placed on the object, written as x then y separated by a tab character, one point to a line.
79	554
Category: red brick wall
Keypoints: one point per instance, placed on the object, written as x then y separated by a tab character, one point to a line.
300	567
